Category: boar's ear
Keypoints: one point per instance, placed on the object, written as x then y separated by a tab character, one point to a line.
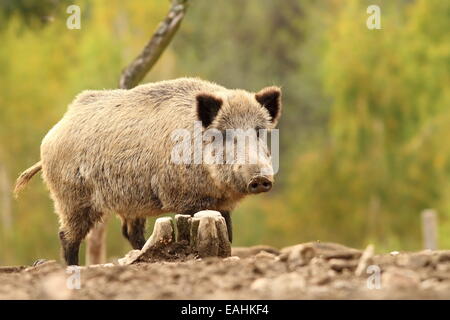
207	108
270	98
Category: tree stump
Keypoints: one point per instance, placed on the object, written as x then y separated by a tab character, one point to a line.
209	235
163	233
206	234
183	225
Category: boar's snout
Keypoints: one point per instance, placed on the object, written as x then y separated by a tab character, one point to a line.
259	184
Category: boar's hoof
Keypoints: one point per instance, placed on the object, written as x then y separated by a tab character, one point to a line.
209	235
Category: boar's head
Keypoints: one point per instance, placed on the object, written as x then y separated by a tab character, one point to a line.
236	126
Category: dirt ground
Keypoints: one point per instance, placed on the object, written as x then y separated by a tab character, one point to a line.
306	271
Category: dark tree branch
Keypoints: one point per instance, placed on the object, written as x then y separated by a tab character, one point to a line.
137	69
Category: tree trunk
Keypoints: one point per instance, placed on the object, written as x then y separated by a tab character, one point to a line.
5	200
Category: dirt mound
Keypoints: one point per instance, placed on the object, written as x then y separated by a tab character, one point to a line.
307	271
174	251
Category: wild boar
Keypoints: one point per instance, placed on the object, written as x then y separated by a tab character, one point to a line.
112	152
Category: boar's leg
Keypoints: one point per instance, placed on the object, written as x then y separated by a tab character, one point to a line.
75	225
227	217
70	249
136	232
125	230
133	230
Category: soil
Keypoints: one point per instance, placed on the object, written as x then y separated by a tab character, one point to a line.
306	271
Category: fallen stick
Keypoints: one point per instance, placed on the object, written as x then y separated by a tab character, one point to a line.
365	260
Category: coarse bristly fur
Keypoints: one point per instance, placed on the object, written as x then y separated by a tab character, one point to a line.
111	152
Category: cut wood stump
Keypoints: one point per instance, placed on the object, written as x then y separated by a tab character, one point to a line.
183	224
163	233
205	234
207	241
209	234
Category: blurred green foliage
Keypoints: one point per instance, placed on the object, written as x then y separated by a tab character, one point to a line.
366	112
31	12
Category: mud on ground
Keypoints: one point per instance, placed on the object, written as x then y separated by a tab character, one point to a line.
307	271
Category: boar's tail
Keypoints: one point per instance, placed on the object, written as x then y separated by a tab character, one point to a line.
26	176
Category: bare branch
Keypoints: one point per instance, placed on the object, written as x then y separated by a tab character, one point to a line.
137	69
